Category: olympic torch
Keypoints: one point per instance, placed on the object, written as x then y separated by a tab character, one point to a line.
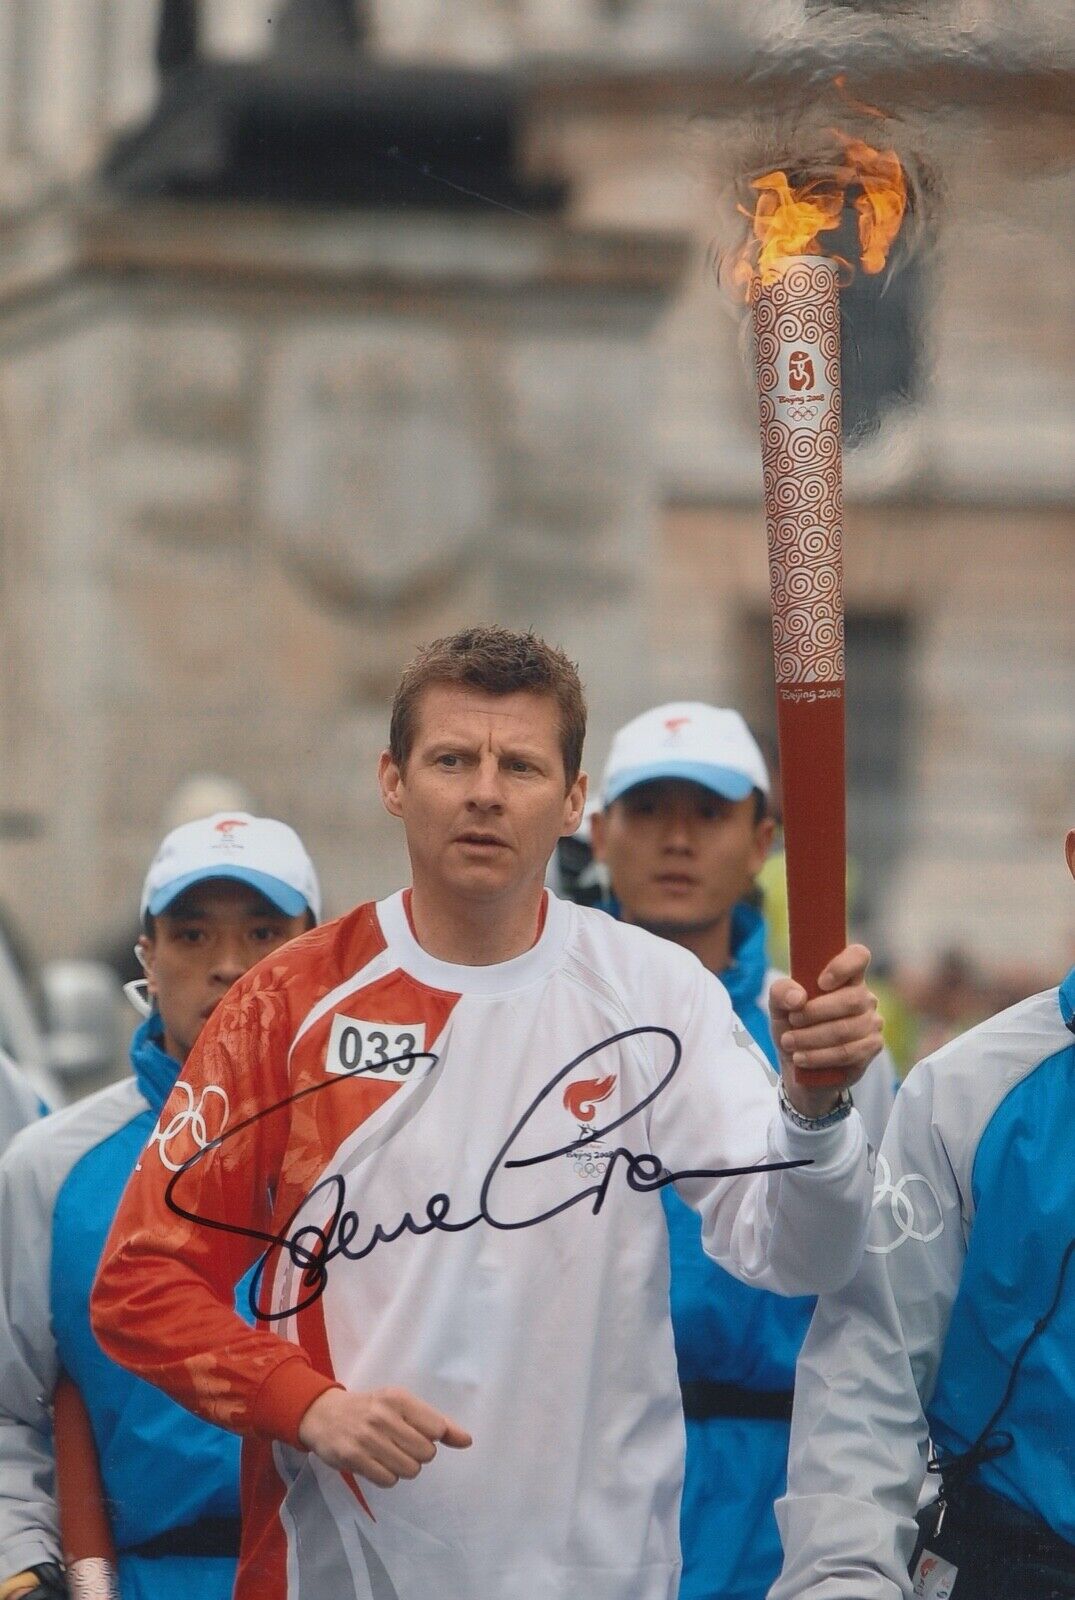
797	340
794	295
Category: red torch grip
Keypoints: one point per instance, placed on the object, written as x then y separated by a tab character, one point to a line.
812	764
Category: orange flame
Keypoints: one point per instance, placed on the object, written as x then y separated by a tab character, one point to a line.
788	220
582	1099
881	202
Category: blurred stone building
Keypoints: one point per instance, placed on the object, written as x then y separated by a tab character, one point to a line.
328	326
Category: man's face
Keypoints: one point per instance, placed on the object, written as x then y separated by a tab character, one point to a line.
483	795
678	855
201	945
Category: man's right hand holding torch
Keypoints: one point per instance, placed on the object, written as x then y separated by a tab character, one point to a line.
837	1033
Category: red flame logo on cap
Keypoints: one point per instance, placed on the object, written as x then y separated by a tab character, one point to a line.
673	724
582	1099
227	824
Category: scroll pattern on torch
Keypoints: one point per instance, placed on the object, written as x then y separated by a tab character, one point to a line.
797	341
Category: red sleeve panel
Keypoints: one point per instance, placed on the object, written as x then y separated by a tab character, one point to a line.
163	1302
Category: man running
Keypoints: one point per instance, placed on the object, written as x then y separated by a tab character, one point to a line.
451	1114
958	1329
219	895
683	832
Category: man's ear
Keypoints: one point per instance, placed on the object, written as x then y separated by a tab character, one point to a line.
764	832
145	949
390	778
1069	851
574	806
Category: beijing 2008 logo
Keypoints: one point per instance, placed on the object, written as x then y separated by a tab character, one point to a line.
582	1100
674	727
800	370
226	828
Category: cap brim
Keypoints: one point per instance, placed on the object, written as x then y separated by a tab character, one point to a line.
275	890
728	782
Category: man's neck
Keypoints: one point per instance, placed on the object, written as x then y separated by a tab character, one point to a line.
173	1049
475	933
712	944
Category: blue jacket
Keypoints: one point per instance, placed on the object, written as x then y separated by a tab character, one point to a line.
730	1333
1022	1198
162	1469
959	1326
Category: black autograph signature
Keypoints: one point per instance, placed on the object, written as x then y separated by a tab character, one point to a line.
312	1247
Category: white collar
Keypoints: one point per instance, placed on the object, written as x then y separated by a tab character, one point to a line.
502	977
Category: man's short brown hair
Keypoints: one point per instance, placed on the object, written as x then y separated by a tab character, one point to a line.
496	661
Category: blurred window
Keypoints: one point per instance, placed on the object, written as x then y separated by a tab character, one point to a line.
878	719
879	329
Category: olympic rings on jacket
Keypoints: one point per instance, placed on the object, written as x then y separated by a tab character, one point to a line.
192	1120
902	1208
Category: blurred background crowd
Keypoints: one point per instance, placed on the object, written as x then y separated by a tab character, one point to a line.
327	326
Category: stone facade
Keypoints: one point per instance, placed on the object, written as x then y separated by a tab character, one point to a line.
249	467
249	459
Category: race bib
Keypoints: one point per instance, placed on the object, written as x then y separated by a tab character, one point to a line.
385	1050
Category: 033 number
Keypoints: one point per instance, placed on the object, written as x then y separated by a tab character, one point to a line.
376	1049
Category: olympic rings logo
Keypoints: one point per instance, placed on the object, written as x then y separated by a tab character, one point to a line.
194	1120
590	1165
901	1205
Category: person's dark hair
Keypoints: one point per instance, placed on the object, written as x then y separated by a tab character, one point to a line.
496	661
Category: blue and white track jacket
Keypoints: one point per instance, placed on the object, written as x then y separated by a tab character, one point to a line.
729	1333
974	1208
162	1469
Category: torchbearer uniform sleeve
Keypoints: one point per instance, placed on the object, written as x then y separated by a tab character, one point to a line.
874	1096
796	1231
869	1364
163	1301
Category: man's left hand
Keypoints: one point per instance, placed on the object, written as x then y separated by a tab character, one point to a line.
837	1033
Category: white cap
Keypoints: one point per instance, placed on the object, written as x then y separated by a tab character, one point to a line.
686	739
266	854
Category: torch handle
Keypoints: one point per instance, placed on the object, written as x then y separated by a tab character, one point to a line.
811	733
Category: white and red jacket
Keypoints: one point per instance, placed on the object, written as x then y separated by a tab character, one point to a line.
453	1171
